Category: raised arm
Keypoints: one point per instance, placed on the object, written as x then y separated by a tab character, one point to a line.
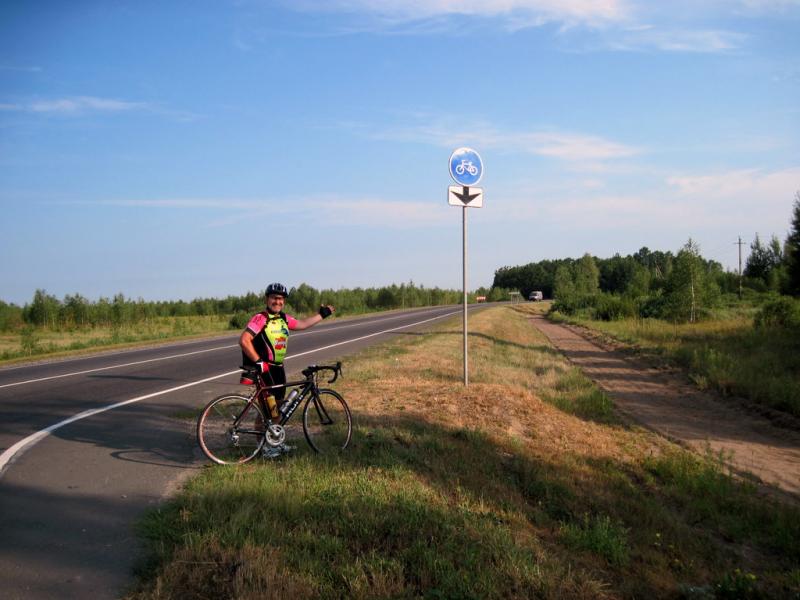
324	313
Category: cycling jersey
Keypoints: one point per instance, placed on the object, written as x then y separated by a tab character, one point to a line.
270	336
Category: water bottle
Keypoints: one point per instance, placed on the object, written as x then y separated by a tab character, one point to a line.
289	399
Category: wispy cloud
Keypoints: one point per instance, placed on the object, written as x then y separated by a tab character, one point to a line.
76	105
675	40
755	186
561	145
517	12
73	106
21	68
618	25
329	210
740	200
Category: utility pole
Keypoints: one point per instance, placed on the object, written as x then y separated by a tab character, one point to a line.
739	243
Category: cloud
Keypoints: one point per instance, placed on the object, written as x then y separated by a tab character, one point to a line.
381	213
616	25
76	105
737	201
517	14
565	146
751	185
328	210
677	40
21	68
83	105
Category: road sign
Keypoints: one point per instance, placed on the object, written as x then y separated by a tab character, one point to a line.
470	197
466	167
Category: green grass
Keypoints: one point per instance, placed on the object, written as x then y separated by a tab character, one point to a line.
726	354
484	492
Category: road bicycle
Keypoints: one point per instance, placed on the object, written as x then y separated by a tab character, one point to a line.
234	429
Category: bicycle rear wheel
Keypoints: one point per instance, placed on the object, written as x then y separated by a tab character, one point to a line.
230	430
327	422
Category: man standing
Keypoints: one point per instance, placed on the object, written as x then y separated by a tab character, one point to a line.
265	338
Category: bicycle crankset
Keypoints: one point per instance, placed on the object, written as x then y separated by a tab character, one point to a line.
275	435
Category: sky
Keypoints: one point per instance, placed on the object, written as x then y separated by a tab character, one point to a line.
173	150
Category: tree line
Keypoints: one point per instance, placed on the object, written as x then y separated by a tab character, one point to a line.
76	311
653	283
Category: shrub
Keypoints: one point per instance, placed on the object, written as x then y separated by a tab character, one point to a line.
609	307
783	312
653	307
239	320
569	304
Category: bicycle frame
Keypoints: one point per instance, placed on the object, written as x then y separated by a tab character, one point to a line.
304	385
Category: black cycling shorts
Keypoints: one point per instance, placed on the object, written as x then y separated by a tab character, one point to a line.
276	376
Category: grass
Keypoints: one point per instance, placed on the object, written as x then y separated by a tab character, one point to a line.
504	489
726	354
33	342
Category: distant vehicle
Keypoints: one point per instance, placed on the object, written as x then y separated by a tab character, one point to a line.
480	299
536	296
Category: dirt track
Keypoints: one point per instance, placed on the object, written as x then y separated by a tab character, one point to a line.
662	402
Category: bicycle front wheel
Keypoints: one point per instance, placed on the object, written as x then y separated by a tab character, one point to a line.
230	430
327	422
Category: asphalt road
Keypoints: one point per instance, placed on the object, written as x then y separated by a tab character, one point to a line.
88	444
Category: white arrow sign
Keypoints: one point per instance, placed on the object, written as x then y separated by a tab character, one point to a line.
471	197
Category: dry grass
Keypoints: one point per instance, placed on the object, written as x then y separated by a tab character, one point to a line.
41	343
510	488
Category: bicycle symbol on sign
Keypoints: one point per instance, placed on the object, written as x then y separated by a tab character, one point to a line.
466	165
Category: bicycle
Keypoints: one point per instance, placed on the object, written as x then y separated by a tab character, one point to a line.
233	429
466	165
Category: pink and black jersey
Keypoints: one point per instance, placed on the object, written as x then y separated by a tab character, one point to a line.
270	336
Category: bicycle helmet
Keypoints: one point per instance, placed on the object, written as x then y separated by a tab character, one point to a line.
277	288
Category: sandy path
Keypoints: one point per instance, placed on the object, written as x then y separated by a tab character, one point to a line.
750	443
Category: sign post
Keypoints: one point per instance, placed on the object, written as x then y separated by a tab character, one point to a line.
466	169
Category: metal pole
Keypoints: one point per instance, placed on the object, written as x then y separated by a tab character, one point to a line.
740	267
464	262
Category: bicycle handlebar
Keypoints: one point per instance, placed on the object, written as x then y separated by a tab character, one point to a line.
337	370
307	372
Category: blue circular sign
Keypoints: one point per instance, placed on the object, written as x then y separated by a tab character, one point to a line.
466	167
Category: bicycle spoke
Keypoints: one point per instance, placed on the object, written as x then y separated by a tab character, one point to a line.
327	422
230	430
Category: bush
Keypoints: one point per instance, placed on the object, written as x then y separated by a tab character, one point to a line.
783	312
609	307
653	307
239	320
569	304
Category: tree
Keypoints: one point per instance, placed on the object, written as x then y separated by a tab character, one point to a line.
793	250
43	310
564	284
690	286
587	276
763	260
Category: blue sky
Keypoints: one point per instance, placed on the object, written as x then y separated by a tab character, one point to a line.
179	149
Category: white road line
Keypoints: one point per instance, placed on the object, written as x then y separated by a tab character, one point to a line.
18	449
141	362
130	364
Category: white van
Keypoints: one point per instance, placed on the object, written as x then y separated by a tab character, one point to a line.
536	296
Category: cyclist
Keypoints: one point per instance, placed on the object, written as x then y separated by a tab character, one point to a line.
264	341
